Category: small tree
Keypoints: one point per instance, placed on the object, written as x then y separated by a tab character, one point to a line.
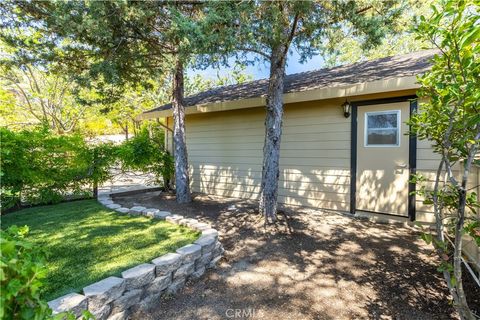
450	119
123	41
42	98
272	29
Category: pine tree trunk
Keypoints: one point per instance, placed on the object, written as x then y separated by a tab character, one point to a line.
273	134
182	181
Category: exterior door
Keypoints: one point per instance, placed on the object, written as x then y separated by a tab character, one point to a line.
382	158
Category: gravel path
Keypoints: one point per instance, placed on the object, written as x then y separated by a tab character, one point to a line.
314	265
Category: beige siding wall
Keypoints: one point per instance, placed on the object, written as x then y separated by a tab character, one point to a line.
225	154
427	165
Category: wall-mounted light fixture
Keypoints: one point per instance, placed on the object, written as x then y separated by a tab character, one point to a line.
347	108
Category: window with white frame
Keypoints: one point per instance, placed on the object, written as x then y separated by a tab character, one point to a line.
382	129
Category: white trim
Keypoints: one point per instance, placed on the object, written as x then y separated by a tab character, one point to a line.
365	129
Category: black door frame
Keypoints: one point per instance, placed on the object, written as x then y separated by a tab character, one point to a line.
412	151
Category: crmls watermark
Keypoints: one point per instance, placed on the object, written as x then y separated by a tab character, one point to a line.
243	313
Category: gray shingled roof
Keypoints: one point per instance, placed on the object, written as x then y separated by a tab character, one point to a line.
384	68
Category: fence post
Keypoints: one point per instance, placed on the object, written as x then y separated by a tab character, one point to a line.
94	171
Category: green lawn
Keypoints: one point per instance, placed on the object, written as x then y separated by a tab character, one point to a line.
87	242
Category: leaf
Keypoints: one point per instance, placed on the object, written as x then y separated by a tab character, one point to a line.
427	237
453	281
470	37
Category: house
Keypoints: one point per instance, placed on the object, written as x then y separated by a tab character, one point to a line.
344	144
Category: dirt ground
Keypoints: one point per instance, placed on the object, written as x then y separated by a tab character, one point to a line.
315	265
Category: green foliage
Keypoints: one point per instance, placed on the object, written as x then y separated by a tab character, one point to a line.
42	97
39	167
399	39
450	115
450	119
473	229
311	27
118	42
22	274
452	84
146	152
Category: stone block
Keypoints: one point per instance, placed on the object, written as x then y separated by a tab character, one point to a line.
176	285
103	292
192	222
202	226
123	210
162	215
207	243
183	222
190	252
136	210
213	263
198	273
167	263
139	276
150	301
73	302
174	218
113	206
203	260
106	202
159	284
150	212
128	299
103	312
210	232
218	250
123	315
184	271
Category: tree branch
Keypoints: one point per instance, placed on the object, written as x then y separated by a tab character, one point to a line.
263	54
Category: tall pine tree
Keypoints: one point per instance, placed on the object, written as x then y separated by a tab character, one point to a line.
272	29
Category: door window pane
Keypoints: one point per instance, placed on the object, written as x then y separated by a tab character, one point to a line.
382	128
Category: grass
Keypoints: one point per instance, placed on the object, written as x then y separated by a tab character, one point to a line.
86	242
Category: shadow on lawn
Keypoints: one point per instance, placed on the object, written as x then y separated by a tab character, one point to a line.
325	266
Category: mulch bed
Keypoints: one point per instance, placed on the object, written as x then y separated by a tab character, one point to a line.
313	264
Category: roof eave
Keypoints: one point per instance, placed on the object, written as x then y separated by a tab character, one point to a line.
350	90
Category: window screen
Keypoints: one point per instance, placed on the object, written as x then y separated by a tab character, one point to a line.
382	128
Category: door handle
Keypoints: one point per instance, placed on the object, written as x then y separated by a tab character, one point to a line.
402	166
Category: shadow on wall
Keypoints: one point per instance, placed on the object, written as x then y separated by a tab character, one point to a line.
375	194
321	188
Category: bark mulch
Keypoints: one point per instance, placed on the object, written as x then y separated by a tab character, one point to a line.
315	264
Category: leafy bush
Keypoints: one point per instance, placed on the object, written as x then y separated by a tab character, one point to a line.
21	274
146	152
39	167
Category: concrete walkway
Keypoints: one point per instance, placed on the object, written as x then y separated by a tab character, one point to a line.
129	181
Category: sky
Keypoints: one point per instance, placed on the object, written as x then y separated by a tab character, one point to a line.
261	69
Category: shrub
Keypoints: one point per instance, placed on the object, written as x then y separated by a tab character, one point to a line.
39	167
21	274
146	152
